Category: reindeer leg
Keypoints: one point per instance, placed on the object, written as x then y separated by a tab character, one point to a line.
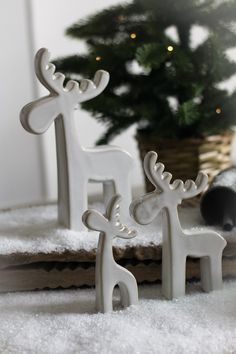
128	288
104	274
98	283
216	272
104	294
205	274
179	277
106	300
173	275
124	295
211	272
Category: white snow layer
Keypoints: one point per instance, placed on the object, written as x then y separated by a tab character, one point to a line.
35	230
65	322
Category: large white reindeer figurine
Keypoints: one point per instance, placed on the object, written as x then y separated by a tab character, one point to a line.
76	165
177	245
108	272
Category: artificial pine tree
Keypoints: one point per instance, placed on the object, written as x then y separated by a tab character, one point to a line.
132	35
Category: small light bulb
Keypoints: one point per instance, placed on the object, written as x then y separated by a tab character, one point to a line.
218	110
98	58
121	18
133	35
170	48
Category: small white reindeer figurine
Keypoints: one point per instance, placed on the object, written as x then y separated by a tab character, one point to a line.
177	245
76	165
108	272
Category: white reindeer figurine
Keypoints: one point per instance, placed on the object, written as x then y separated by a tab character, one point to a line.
108	272
177	245
76	165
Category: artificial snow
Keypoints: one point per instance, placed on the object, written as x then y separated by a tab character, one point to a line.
60	322
65	321
226	179
35	229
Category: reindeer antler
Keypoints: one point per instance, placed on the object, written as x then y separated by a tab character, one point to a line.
45	72
87	89
37	116
113	215
111	222
90	89
161	180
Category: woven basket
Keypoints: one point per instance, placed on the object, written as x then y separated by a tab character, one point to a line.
185	158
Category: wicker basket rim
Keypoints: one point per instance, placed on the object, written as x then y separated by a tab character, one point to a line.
213	137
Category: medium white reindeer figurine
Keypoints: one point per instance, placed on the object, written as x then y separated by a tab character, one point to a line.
108	272
76	165
177	245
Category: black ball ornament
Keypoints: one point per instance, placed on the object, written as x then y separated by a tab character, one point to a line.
218	204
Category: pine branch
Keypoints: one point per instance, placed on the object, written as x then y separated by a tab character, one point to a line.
188	113
74	64
189	75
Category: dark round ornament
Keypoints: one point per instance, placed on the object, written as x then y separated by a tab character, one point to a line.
218	204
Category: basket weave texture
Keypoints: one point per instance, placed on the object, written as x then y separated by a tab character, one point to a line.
185	158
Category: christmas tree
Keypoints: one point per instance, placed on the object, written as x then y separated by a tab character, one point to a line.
164	84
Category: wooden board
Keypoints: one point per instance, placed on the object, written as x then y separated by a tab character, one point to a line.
28	271
140	253
67	274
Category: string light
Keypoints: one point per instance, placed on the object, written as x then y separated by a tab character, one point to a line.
218	110
133	35
121	18
170	48
98	58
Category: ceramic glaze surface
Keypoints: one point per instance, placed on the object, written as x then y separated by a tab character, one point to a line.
76	165
177	245
108	272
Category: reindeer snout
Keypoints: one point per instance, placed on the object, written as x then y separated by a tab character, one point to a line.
140	213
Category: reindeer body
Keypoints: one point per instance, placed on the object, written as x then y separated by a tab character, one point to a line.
108	273
177	245
76	165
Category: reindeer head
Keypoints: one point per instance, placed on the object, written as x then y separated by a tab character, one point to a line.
109	224
37	116
166	194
